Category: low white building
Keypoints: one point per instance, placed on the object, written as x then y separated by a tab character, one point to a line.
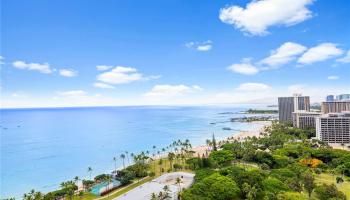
144	192
305	119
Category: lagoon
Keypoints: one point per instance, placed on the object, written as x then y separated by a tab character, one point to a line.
40	148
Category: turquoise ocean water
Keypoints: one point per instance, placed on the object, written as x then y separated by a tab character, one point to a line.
40	148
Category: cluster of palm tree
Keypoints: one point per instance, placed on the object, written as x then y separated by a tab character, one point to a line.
67	190
177	150
69	187
162	195
33	195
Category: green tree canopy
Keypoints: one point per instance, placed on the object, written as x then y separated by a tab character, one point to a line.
222	157
213	187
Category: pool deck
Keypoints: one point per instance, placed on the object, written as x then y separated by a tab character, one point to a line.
155	186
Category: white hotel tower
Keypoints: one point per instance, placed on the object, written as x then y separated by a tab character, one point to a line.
334	128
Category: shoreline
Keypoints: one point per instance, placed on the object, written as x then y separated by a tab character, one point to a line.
258	127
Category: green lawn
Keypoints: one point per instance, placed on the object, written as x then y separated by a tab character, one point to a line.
329	179
86	196
246	165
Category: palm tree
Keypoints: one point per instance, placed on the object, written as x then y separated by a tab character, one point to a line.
115	164
32	192
76	179
178	181
154	149
69	187
38	196
132	156
171	158
163	150
127	157
153	196
208	142
90	171
166	192
31	195
122	156
214	143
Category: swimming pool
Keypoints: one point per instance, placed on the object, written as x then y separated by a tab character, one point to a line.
101	187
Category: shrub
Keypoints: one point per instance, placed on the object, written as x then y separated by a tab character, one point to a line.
177	166
125	176
325	192
101	177
222	158
203	173
339	179
318	170
151	174
265	166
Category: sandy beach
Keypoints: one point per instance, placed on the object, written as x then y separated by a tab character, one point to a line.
258	127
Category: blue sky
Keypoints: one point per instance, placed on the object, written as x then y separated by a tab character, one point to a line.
172	52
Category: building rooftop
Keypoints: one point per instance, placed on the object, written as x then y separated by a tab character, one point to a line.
145	191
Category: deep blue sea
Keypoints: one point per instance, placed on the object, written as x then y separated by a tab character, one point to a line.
40	148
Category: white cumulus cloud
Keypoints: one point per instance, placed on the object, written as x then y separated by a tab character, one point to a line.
259	15
252	87
103	85
333	77
206	47
345	59
319	53
120	75
43	68
200	46
284	54
171	90
68	72
103	67
245	67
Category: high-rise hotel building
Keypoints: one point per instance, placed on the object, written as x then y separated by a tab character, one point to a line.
288	105
343	97
334	128
330	98
335	106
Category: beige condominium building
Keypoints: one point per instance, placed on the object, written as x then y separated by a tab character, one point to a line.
334	128
305	119
288	105
335	106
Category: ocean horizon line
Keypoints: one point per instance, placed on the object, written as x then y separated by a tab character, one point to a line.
141	105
